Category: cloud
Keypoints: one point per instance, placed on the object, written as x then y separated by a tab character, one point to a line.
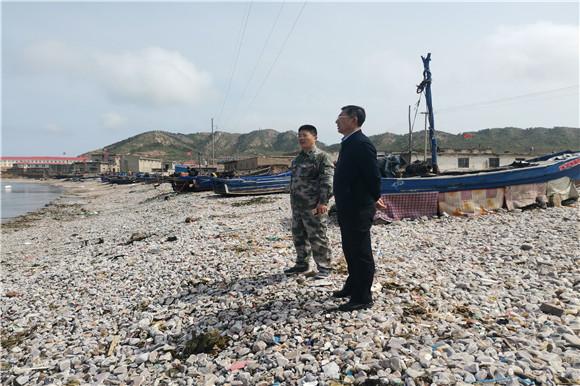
542	52
112	120
149	77
152	76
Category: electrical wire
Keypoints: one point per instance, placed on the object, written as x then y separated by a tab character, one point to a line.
236	59
506	99
253	73
278	55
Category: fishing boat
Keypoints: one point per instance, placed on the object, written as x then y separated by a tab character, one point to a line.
182	184
536	181
536	170
253	185
520	173
186	179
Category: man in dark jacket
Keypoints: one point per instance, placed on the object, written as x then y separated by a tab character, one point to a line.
356	191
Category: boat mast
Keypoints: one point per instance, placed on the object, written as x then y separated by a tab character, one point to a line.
427	85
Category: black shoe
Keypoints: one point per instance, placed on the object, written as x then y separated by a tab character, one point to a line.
341	294
354	306
296	270
323	273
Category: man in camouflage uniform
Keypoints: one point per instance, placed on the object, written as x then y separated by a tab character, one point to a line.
310	190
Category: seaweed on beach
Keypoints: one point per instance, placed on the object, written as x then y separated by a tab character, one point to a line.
211	342
61	212
9	340
254	201
159	197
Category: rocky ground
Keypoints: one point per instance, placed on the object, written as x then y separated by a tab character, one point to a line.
136	285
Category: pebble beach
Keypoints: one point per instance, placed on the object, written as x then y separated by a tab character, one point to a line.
137	285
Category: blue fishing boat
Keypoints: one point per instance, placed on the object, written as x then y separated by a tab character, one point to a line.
118	179
148	178
186	179
563	165
253	185
183	184
537	170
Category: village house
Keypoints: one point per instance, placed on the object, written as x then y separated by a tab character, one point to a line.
138	164
276	164
464	160
37	162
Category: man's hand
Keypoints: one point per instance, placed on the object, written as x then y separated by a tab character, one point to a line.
320	209
380	204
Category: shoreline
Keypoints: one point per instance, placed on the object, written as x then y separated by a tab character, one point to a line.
34	211
67	190
122	284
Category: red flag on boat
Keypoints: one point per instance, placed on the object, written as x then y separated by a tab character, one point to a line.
467	135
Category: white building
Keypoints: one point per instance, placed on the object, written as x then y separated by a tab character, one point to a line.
37	161
137	164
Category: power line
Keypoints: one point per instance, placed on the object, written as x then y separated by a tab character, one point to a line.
247	86
500	100
278	55
506	99
237	57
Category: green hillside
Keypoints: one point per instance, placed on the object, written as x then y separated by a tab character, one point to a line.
176	146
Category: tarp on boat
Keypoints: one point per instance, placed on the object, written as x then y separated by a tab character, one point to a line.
471	202
408	205
561	189
520	196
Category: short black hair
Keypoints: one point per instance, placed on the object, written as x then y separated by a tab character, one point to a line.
355	112
309	128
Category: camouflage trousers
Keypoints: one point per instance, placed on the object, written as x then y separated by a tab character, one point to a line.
309	234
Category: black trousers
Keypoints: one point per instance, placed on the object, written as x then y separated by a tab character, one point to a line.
355	231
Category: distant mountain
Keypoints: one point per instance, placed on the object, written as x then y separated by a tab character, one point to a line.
536	140
175	146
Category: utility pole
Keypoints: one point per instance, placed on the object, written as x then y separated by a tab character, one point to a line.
410	138
426	113
212	144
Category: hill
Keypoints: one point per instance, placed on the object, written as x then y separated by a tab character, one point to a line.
536	140
176	146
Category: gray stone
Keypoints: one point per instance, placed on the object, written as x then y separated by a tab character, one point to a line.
397	364
64	365
414	373
551	309
259	346
331	370
141	358
572	340
22	380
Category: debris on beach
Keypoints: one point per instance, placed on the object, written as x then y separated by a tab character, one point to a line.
138	294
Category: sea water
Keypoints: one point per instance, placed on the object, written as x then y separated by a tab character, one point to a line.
18	198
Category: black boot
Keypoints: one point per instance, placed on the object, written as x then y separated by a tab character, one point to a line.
296	270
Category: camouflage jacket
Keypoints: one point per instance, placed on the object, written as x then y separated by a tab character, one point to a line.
311	182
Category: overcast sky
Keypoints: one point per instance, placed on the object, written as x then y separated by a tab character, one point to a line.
79	76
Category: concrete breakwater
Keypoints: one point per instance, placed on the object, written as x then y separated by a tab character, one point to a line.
133	284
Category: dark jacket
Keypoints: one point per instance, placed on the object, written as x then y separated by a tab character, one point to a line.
357	182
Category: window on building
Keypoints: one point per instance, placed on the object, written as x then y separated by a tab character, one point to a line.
462	162
494	162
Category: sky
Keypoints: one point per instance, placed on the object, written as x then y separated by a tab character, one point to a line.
77	76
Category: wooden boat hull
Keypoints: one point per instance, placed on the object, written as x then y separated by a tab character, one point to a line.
192	183
541	172
253	185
